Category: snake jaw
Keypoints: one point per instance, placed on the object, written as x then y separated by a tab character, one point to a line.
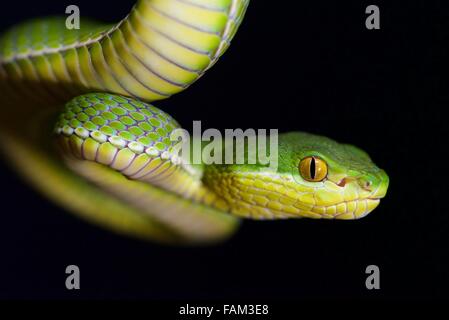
263	196
357	209
371	188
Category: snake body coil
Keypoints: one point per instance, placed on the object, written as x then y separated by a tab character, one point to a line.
132	181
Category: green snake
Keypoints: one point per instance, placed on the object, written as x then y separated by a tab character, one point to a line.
107	154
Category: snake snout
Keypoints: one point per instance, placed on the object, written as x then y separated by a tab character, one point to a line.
376	184
382	187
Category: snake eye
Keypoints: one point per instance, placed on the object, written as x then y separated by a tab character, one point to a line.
313	169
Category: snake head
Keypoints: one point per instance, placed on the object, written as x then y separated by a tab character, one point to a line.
316	177
350	185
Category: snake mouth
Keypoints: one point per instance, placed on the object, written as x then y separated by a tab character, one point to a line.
356	208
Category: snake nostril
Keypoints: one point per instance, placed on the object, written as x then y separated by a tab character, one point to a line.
366	184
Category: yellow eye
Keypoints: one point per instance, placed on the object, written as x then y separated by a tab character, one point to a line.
313	169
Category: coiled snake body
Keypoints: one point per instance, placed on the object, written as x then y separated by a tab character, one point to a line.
118	169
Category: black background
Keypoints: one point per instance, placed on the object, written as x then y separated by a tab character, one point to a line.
311	67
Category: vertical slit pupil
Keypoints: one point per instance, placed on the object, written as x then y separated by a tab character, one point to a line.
312	168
